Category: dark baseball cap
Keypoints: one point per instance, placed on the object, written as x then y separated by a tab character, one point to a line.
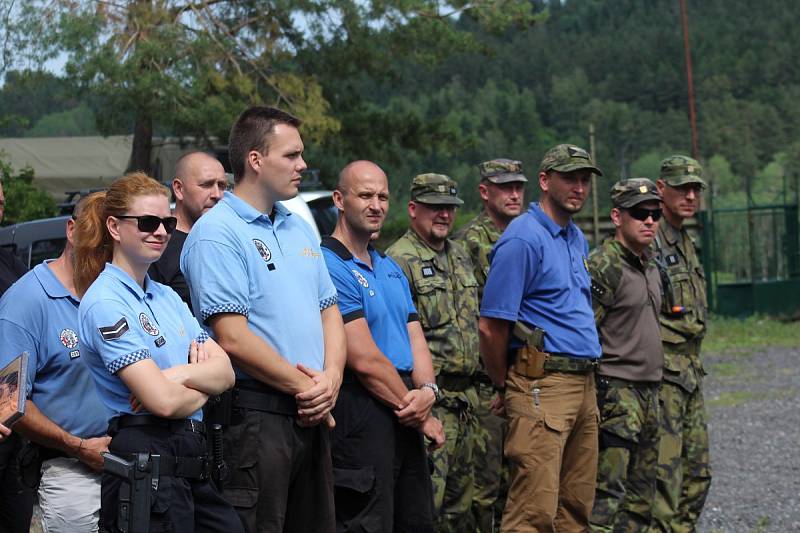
567	158
631	192
502	171
434	189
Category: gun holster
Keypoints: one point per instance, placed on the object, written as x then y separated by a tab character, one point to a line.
29	463
139	480
529	360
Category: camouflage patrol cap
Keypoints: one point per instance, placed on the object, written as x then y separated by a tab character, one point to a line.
631	192
434	189
567	158
502	171
679	170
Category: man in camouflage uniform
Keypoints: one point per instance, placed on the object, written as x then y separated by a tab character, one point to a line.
443	286
626	298
684	474
502	189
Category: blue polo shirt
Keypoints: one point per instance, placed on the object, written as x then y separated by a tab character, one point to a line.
121	324
538	275
237	260
40	316
379	294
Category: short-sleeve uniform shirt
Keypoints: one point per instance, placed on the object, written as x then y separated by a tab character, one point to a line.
239	260
121	324
40	316
379	294
539	276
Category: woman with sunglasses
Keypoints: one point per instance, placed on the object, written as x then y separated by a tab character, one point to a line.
153	364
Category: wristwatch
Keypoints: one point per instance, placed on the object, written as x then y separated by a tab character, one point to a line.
437	394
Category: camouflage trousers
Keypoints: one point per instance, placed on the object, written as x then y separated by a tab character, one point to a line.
453	476
628	458
684	473
491	469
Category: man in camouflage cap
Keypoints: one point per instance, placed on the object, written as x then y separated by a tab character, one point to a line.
443	286
684	474
502	190
626	298
539	289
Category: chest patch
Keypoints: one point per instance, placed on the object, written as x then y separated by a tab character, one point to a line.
68	338
427	272
161	341
148	326
263	250
672	259
361	279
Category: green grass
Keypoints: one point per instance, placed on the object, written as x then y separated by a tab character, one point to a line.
742	336
730	399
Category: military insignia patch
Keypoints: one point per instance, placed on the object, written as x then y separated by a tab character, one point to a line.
116	331
148	326
263	250
672	259
68	338
643	189
361	279
574	151
427	272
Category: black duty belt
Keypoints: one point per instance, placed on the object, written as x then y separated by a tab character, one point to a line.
455	382
128	421
185	467
482	379
617	382
259	397
563	362
350	377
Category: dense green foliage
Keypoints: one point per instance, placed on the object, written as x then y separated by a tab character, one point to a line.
416	91
24	201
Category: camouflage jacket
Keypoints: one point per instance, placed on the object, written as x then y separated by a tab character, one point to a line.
478	237
626	298
445	292
684	305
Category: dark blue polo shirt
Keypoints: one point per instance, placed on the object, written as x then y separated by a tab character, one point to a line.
379	294
538	275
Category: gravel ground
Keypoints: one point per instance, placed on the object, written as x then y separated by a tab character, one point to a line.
753	401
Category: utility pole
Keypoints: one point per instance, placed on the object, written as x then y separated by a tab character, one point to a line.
595	209
690	82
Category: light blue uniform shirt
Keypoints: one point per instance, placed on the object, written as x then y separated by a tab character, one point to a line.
237	260
538	275
40	316
121	324
379	294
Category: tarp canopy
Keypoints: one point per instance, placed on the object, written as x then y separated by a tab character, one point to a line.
62	164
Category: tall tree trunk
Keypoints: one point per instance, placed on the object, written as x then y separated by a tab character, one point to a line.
142	143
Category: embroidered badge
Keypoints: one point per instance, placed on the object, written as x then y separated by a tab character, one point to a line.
263	250
148	326
161	341
68	338
672	259
361	279
427	272
309	252
116	331
74	354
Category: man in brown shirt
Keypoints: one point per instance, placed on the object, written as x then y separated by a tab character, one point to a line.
626	297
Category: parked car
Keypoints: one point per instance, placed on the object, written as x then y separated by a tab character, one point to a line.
38	240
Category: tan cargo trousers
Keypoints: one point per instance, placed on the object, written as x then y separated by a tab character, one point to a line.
551	448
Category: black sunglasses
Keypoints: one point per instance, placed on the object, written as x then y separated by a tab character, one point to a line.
150	223
640	213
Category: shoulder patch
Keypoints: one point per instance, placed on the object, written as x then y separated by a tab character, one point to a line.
148	326
115	331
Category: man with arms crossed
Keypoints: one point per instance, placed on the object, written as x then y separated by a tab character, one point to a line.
626	297
381	469
63	414
198	185
684	472
259	282
539	290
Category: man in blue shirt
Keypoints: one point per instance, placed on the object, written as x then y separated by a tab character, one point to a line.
63	414
258	281
379	460
539	289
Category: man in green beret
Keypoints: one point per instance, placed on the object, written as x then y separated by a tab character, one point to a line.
684	474
502	190
626	298
443	286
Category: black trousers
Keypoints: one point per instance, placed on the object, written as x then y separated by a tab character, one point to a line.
381	473
16	501
179	504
